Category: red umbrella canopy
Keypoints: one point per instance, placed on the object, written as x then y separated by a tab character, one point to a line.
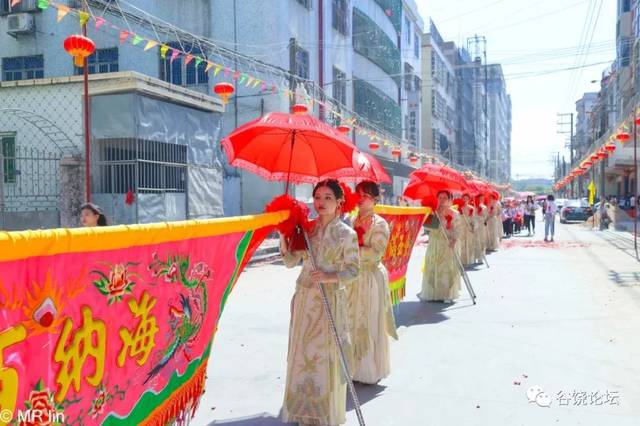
367	167
431	178
291	148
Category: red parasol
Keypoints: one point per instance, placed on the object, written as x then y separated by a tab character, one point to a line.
431	178
367	167
294	148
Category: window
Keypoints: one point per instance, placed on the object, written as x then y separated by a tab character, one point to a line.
302	63
22	68
408	77
23	6
102	61
339	86
416	45
177	72
305	3
370	41
8	142
341	16
407	26
624	51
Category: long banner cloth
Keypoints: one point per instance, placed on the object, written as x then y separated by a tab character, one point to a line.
404	226
114	325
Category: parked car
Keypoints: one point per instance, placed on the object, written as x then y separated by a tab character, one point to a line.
560	203
575	210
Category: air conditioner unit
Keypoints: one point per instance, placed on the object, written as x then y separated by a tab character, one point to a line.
20	23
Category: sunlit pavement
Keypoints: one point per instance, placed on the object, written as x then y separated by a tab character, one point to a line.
557	321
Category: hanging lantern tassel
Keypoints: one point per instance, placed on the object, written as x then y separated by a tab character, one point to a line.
224	90
79	47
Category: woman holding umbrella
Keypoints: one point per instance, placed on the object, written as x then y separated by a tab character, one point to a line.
494	223
441	279
467	242
480	234
315	390
372	321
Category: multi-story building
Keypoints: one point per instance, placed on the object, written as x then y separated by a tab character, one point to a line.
499	116
465	115
584	131
624	48
360	55
438	96
481	117
147	170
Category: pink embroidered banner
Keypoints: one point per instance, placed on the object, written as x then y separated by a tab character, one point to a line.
114	326
404	226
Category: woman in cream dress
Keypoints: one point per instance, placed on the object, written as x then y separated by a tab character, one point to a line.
372	321
315	392
467	232
441	279
494	224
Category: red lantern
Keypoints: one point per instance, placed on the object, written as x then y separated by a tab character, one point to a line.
224	90
299	109
602	155
373	146
637	120
610	147
396	152
343	129
587	163
623	136
79	47
413	159
594	157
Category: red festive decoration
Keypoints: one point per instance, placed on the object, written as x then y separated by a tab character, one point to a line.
602	155
413	159
79	47
373	146
594	157
610	147
637	120
350	199
299	109
343	129
396	152
129	198
224	90
623	136
360	232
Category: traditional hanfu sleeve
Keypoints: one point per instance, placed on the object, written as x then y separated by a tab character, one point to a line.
373	252
291	259
350	266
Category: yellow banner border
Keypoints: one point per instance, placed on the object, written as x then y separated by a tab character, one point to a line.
385	209
47	242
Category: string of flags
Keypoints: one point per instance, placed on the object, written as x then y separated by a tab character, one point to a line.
221	71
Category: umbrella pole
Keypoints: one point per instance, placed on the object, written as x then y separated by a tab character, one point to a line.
465	277
293	141
336	339
484	258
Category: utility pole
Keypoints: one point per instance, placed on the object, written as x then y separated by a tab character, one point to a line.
562	122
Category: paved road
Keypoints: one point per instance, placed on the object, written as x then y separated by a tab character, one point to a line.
563	316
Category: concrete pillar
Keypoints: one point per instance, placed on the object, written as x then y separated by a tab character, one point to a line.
71	191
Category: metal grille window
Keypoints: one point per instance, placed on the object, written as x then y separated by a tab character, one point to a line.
377	107
141	165
416	45
339	86
8	142
102	61
23	6
407	25
370	41
305	3
340	11
393	9
302	63
176	72
408	77
22	67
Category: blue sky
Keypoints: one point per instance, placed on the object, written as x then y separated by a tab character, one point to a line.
535	40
